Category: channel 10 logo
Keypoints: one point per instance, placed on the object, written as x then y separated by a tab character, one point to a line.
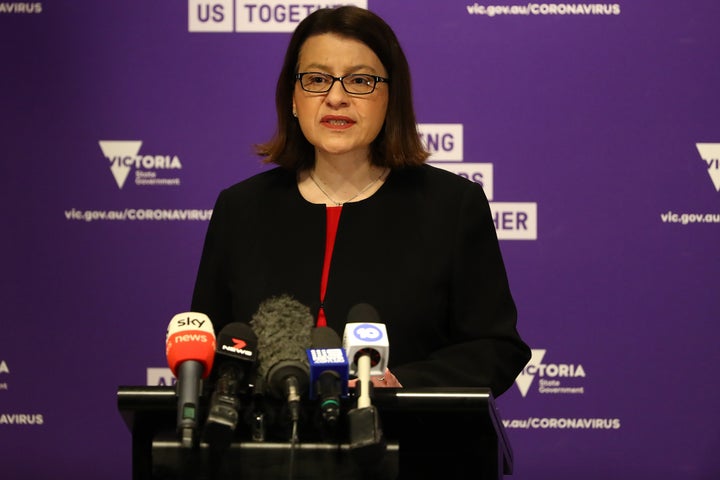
368	332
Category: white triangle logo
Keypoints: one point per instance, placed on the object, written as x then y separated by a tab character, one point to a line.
116	151
525	379
710	152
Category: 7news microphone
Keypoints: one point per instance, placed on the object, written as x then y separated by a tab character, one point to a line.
366	343
190	352
235	357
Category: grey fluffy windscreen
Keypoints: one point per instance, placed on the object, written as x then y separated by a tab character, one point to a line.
283	326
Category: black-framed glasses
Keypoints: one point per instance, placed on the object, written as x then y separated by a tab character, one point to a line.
354	83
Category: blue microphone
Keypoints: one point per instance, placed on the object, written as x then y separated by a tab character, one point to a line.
329	372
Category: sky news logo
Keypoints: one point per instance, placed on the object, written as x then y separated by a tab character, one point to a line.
263	16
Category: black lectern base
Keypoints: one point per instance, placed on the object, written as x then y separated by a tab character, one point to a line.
430	433
269	461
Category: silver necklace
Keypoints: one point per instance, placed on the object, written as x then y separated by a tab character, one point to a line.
335	202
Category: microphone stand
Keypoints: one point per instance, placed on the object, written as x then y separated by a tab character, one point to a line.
367	443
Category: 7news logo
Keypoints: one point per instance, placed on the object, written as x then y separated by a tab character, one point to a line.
238	347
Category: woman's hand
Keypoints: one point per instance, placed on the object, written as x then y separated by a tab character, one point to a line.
380	381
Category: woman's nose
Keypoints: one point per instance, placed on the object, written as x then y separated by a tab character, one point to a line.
337	96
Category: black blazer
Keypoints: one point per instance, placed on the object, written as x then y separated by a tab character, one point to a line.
422	250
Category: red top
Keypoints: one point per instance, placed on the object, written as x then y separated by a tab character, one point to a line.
333	219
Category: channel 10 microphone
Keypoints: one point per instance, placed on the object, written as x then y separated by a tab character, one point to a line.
365	335
190	352
235	357
367	346
329	372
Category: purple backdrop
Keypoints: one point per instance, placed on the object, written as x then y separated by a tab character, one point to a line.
593	127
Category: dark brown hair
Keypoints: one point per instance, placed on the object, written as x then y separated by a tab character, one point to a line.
398	143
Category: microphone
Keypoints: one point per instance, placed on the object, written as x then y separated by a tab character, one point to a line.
235	357
328	372
190	349
367	346
282	325
365	335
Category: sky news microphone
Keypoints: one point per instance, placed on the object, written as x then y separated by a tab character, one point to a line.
329	372
235	356
190	351
283	325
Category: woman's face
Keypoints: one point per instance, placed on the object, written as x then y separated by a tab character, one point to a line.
336	122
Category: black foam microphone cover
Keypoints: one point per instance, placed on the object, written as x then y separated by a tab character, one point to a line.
325	337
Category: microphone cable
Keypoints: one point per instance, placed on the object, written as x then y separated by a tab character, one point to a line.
293	446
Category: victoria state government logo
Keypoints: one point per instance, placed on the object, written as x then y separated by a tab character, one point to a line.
553	378
710	152
150	170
